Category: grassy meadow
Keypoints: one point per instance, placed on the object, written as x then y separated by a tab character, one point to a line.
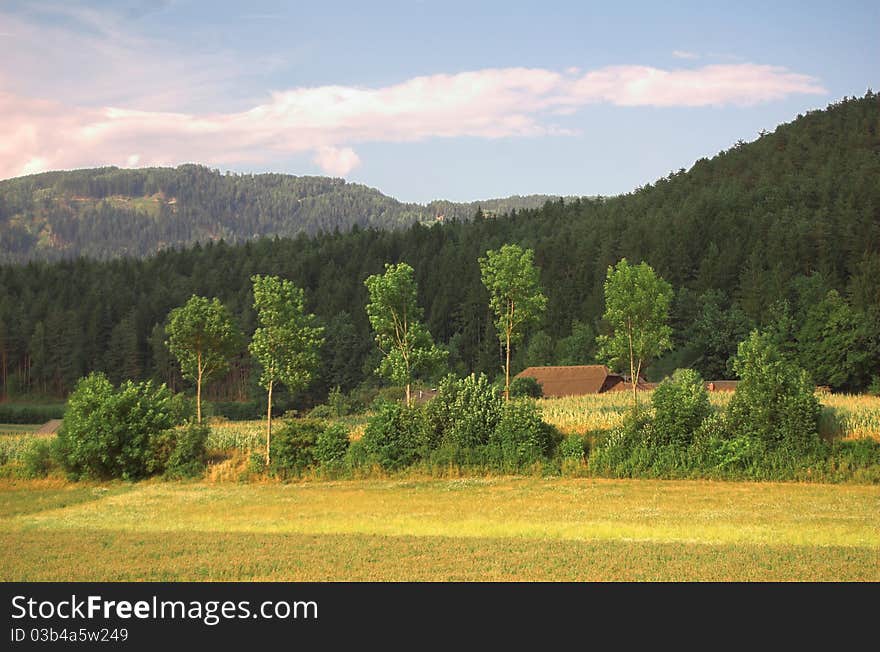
466	529
408	527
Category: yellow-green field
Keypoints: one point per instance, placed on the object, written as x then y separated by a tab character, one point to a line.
468	529
844	416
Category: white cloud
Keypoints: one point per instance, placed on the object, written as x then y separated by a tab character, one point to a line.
328	120
684	54
335	161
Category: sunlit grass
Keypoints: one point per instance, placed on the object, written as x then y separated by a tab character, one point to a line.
490	528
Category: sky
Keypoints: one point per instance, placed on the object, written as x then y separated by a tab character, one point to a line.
420	99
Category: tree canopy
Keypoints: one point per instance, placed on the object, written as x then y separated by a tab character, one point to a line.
202	336
637	310
395	317
515	296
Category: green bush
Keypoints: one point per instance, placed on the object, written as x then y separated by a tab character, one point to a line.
526	387
321	411
189	457
464	414
574	447
521	437
775	401
613	454
681	403
395	436
384	395
332	445
39	458
109	433
292	448
356	456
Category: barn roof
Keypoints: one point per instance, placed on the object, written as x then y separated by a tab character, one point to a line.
721	385
571	380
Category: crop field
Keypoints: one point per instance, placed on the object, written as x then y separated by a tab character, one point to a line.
468	529
844	416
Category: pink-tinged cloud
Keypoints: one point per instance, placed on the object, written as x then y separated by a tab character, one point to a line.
337	162
327	120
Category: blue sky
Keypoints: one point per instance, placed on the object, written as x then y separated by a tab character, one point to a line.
422	100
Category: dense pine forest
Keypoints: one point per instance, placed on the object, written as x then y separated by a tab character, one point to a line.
781	234
110	212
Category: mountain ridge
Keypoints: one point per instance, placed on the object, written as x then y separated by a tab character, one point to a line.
63	214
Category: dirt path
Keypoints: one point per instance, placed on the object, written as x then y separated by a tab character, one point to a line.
49	428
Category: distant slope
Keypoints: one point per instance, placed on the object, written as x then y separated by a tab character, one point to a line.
110	212
755	237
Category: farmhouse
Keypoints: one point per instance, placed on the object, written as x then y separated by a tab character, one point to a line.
576	380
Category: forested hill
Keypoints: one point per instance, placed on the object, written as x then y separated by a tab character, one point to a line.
111	212
782	233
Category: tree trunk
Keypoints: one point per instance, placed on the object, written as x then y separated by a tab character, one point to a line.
408	395
199	389
632	368
269	426
507	370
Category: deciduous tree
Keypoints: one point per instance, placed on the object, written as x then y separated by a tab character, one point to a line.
396	319
637	310
288	341
515	296
203	337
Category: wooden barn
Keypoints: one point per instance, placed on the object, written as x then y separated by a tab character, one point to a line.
575	380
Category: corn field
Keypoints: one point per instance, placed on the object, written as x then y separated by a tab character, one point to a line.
843	416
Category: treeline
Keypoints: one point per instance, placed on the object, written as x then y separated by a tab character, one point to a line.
781	234
110	212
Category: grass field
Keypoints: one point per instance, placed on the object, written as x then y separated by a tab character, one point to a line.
469	529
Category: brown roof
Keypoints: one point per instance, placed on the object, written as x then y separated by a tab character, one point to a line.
625	386
721	385
572	381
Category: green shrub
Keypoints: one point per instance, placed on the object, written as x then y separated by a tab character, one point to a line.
525	387
189	457
521	437
39	458
386	395
464	414
775	401
574	447
256	464
395	437
356	456
110	433
614	452
681	403
321	412
332	445
292	448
